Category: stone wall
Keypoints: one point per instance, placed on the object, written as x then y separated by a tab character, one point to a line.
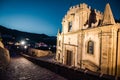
1	45
38	53
118	55
87	58
71	73
4	56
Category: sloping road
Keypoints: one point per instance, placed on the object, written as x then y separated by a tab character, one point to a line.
22	69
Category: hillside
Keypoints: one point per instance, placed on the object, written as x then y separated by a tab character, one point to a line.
8	34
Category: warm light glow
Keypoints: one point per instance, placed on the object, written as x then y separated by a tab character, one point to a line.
25	47
22	42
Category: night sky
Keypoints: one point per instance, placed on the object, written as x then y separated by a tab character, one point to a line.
44	16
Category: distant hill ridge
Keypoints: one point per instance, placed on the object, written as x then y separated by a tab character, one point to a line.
32	36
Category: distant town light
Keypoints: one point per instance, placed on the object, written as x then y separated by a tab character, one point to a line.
27	39
17	47
17	43
22	42
10	43
25	47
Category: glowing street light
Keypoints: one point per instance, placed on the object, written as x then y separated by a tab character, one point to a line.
25	47
22	42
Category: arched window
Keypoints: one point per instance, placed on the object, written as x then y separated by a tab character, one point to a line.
70	26
90	47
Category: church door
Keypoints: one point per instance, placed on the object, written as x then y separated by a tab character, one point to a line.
69	58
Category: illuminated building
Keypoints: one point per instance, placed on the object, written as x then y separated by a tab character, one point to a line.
90	40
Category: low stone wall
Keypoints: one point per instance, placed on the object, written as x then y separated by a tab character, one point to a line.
38	53
1	45
71	73
4	56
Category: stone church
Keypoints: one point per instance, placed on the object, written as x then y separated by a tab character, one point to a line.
90	40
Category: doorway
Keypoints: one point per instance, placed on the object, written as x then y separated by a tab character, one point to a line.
69	58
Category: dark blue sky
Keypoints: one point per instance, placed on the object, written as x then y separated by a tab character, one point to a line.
44	16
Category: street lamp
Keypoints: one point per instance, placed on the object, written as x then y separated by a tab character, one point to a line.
25	47
22	42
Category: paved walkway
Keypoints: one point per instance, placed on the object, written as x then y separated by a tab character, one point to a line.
22	69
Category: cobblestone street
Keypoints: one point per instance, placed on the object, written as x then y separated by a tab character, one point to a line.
22	69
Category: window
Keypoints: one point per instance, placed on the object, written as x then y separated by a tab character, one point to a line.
90	47
69	26
59	43
69	57
59	56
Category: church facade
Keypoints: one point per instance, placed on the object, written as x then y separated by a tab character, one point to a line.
90	40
